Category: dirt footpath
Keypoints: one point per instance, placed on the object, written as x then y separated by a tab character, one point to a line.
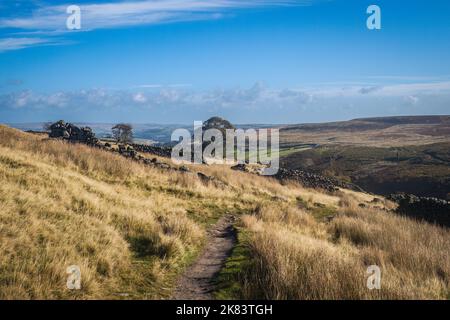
196	282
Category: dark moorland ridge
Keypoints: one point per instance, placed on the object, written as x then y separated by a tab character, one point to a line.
372	123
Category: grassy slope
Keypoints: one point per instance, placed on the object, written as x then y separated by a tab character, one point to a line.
132	229
67	205
296	255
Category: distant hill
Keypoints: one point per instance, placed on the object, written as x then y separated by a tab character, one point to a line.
383	155
376	132
371	123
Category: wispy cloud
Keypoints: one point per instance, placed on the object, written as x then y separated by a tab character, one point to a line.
407	78
48	21
126	13
21	43
158	86
403	89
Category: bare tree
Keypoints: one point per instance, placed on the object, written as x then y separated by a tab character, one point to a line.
123	133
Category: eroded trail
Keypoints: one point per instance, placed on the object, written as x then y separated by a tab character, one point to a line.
196	282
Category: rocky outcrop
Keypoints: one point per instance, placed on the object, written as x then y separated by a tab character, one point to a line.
433	210
211	179
244	167
127	151
165	152
307	179
312	180
71	132
156	163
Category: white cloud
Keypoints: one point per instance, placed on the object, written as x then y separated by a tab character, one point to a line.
126	13
50	21
416	88
257	100
21	43
412	99
139	97
409	89
158	86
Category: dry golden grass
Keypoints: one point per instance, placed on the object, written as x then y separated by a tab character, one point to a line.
297	257
133	228
61	204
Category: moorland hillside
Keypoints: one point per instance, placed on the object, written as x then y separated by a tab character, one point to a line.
133	229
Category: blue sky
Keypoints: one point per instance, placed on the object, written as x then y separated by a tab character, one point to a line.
173	61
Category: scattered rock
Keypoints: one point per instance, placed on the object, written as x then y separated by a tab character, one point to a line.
165	152
204	177
312	180
210	179
184	169
250	168
162	165
127	151
433	210
240	167
122	148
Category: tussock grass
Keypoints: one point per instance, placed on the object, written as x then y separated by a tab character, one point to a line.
130	228
133	228
52	217
302	258
64	204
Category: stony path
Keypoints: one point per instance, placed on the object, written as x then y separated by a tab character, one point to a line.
196	282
